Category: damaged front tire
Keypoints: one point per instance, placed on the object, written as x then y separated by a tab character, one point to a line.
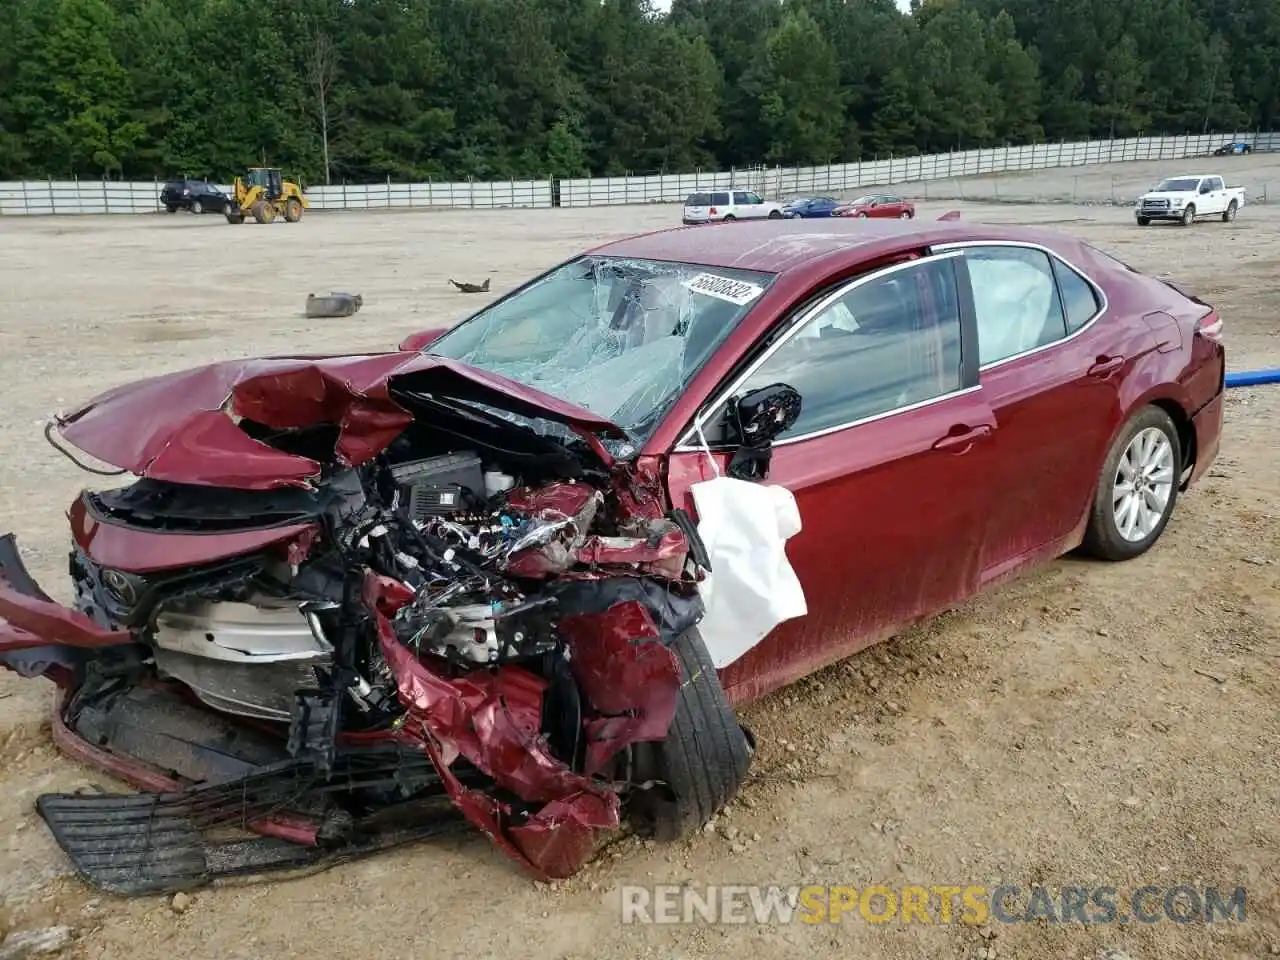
684	780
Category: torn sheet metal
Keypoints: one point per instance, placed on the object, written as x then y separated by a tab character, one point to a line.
630	679
184	427
492	719
751	587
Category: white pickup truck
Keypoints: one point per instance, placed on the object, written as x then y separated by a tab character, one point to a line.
1188	198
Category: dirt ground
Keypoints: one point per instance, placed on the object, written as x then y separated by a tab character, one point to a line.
1089	724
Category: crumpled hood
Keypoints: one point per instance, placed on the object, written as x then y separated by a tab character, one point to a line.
183	427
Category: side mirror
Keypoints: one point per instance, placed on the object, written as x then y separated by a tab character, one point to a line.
422	339
756	419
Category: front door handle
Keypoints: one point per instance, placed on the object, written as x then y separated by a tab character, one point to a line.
1105	366
961	439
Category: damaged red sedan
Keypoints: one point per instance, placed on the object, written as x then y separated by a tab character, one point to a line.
345	603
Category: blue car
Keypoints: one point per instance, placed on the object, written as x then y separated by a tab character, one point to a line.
808	207
1237	146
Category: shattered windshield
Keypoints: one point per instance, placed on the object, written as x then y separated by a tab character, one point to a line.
1178	185
620	337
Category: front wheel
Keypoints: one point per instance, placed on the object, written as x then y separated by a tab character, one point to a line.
1189	215
293	210
1230	213
729	218
197	207
905	215
1144	221
775	214
1137	489
692	774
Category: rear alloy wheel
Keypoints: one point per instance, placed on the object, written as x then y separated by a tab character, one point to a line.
1189	215
197	207
1137	489
1230	213
692	774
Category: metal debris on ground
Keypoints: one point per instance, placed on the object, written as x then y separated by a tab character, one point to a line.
471	287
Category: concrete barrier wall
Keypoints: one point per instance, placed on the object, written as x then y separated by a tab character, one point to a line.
45	197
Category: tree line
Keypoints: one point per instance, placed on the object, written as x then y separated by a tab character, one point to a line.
363	90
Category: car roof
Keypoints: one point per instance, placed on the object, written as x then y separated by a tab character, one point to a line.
784	246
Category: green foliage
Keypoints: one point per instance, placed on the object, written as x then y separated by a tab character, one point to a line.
416	89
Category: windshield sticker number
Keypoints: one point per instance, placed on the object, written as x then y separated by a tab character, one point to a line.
722	288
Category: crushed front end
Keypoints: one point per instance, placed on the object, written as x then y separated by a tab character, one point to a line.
470	621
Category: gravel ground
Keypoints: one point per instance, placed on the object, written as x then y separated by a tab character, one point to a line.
1084	725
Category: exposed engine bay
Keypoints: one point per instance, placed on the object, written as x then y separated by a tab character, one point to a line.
486	611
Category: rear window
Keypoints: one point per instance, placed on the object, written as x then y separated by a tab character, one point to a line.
1078	297
698	200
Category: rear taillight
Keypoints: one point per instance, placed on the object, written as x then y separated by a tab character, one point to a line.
1210	326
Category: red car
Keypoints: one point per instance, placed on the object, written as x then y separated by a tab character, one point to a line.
351	601
877	205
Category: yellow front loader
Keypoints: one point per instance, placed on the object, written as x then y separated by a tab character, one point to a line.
265	195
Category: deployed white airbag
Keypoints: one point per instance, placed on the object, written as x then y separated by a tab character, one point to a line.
752	587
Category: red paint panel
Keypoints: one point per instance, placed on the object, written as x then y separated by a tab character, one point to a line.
892	531
628	677
180	427
144	551
27	621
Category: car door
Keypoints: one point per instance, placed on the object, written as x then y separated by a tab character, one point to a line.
890	207
747	205
1051	374
1220	199
887	463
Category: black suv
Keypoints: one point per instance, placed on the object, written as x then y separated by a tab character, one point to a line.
198	196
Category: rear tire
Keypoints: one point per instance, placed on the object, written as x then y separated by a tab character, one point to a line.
1189	215
775	214
1230	213
729	218
905	215
1103	537
702	762
197	207
170	208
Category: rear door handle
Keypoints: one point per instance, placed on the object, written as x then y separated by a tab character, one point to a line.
958	443
1105	367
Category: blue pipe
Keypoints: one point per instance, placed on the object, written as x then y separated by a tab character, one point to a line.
1253	378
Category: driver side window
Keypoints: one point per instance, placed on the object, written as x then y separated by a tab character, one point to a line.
889	342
